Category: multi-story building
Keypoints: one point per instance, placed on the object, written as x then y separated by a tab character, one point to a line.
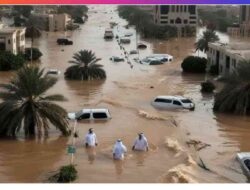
12	39
53	22
227	56
183	17
244	23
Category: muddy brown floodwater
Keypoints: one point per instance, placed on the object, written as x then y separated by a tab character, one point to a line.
127	93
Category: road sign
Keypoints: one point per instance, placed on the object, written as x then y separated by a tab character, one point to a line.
71	149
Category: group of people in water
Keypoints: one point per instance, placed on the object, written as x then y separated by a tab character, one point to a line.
119	149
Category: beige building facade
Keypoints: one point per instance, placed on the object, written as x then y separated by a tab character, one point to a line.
227	56
180	16
12	39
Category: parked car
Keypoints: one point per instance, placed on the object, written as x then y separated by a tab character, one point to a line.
64	41
108	34
244	159
53	72
116	59
141	46
150	61
125	40
173	102
90	114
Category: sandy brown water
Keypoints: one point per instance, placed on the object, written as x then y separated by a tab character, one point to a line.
127	93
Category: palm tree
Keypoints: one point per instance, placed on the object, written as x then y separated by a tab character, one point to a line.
33	30
25	105
235	96
207	36
85	67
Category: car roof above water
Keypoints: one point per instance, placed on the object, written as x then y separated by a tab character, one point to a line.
171	97
94	110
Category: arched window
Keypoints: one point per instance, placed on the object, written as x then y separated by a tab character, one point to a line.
178	21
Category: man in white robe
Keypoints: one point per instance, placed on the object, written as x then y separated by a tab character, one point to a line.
119	150
90	139
141	143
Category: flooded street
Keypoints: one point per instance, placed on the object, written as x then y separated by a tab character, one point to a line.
127	93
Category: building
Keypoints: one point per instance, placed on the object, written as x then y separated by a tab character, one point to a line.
227	56
181	16
53	22
12	39
243	28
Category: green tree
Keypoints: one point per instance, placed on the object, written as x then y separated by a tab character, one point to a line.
85	67
235	96
25	105
9	61
207	36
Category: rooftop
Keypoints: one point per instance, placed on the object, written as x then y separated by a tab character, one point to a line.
10	30
238	48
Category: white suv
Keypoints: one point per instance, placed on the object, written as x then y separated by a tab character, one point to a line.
90	114
173	102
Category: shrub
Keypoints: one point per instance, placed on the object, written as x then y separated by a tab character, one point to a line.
36	54
207	87
9	61
194	64
67	174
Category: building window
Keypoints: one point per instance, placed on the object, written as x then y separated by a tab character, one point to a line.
173	8
178	21
185	21
177	8
9	41
185	8
164	17
192	9
181	8
164	9
192	22
192	17
172	21
164	22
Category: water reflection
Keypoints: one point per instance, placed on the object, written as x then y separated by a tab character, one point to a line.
91	152
140	157
118	166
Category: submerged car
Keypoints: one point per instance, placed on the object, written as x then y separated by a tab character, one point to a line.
125	40
90	114
53	72
108	34
64	41
141	46
162	57
173	102
116	59
244	159
151	61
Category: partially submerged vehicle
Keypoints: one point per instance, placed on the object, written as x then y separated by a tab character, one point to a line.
125	40
90	114
244	160
116	59
173	102
133	52
64	41
128	34
162	57
141	46
53	72
150	61
108	34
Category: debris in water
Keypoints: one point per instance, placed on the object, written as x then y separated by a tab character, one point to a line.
198	145
202	165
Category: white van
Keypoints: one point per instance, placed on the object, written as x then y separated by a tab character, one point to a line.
90	114
173	102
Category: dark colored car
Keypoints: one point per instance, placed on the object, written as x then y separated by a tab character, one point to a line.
64	41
